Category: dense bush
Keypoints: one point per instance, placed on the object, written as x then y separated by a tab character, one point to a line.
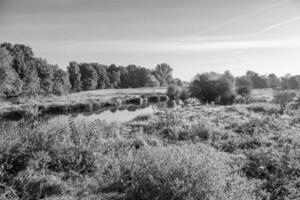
174	92
265	108
283	98
187	172
278	167
211	87
244	91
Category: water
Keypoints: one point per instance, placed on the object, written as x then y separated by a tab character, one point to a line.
123	114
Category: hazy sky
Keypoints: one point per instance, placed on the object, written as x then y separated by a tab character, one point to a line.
191	35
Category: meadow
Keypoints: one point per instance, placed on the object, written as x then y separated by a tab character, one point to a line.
191	151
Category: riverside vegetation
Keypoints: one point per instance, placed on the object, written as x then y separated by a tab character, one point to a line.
194	151
221	140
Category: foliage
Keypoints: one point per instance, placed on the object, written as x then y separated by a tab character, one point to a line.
10	83
174	92
243	91
88	77
283	98
212	87
75	76
163	73
61	83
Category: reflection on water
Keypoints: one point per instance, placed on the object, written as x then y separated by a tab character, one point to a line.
122	114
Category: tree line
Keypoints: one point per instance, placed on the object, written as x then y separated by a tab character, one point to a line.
256	81
23	74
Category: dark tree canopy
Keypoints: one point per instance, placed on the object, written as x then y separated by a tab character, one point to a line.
75	76
89	76
211	87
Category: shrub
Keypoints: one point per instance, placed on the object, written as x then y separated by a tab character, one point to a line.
265	108
39	187
174	92
211	88
278	168
187	172
244	91
283	98
185	94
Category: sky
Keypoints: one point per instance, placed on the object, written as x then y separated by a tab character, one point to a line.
192	36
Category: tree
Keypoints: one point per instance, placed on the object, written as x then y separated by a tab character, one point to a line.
229	76
293	83
10	83
103	79
89	76
177	81
21	56
258	82
273	81
211	87
114	76
23	64
163	73
75	76
283	98
61	82
124	77
152	81
243	86
174	92
284	81
45	73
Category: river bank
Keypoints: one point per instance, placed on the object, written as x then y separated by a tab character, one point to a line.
90	101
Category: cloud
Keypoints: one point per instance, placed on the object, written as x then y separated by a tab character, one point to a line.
242	17
274	26
197	45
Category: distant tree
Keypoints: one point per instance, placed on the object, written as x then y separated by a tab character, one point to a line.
273	81
61	82
243	81
31	82
89	76
243	86
10	83
103	79
227	74
293	83
284	82
75	76
211	87
23	64
142	75
151	81
21	56
114	76
174	92
124	77
138	76
258	81
283	98
45	73
177	81
163	73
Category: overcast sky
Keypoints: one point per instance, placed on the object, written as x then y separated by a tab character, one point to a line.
191	35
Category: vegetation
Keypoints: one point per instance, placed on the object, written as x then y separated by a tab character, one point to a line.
228	140
22	74
212	87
